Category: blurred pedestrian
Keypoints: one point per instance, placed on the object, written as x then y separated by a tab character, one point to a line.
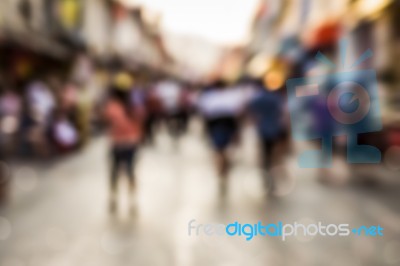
170	94
40	105
153	113
267	111
63	132
221	106
10	115
125	131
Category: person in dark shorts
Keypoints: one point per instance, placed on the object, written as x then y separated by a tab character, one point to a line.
221	106
125	130
222	131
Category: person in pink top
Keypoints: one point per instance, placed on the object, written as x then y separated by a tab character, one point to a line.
124	121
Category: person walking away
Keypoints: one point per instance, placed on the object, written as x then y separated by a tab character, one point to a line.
267	111
125	131
221	107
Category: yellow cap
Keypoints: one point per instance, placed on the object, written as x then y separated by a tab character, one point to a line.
123	81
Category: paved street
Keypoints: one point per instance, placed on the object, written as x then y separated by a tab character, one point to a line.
58	213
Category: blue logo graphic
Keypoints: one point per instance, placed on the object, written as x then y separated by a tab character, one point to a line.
337	104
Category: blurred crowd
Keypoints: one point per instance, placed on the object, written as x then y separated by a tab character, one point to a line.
46	114
49	115
57	92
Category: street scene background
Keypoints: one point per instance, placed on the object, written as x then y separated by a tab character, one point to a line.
122	121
